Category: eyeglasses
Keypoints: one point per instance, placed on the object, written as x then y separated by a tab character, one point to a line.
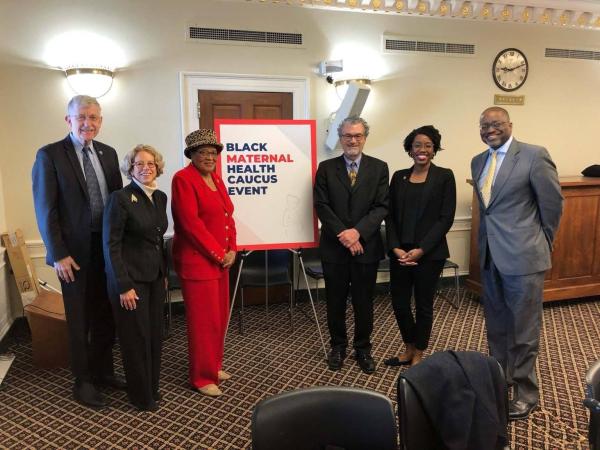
142	164
419	146
83	117
349	137
496	125
207	154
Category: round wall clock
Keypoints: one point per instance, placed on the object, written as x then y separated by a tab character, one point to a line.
510	69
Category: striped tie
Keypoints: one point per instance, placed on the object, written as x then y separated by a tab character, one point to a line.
352	173
486	188
96	202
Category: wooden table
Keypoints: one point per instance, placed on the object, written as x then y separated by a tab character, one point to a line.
575	268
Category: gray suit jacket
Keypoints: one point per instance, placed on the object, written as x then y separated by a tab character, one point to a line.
520	222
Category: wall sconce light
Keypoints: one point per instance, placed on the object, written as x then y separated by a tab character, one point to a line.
94	82
341	86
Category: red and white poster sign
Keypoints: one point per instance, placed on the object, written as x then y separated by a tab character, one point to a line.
268	168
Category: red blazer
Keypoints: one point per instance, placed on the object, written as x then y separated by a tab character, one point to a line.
203	223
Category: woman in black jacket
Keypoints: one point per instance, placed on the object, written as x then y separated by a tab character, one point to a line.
135	220
422	206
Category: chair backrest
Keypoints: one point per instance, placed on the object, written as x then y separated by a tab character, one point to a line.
174	282
416	430
592	392
278	268
331	417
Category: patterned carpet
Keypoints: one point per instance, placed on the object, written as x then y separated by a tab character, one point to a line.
37	410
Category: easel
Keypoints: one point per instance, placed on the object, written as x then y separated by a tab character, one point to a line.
297	252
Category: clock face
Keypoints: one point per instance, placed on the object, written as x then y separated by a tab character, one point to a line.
510	69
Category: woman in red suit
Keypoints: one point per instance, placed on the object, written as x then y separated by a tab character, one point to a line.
204	249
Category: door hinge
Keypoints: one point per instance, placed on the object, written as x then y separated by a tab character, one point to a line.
198	109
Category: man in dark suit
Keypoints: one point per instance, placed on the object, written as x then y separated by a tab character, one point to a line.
72	179
351	200
520	205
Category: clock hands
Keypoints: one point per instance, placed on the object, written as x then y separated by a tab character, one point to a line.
514	68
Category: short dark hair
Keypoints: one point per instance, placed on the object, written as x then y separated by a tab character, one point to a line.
428	130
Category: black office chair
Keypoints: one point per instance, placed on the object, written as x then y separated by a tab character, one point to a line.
384	264
266	269
451	265
592	402
417	431
173	283
311	259
326	417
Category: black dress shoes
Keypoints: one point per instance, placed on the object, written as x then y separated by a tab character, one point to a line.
396	362
152	407
365	362
87	394
519	409
335	360
112	381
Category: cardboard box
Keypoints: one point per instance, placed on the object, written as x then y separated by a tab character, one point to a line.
21	266
49	333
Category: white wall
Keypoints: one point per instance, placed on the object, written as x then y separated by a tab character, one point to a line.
562	97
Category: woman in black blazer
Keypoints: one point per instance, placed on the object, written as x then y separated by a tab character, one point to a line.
135	220
422	206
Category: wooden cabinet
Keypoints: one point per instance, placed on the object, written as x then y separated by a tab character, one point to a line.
575	268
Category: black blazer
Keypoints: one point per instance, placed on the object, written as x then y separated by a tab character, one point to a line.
340	206
60	196
132	234
434	216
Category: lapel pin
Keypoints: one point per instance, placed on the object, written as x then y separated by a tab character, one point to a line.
133	198
100	152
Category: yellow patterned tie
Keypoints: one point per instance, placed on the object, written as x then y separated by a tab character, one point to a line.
352	173
486	188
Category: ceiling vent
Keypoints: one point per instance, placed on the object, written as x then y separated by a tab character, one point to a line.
394	44
223	35
572	54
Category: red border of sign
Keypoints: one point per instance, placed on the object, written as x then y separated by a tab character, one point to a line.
313	151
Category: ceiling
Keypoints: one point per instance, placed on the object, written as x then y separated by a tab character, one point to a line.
581	14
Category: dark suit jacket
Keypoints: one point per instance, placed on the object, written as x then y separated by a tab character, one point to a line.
340	206
132	234
62	204
434	216
464	396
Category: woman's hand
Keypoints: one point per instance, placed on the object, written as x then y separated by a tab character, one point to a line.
399	253
228	259
129	299
411	257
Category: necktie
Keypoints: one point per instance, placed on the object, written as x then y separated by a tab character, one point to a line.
96	202
352	173
486	188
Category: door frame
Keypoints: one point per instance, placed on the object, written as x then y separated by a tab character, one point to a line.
191	82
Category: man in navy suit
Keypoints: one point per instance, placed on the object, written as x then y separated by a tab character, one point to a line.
351	200
72	179
520	204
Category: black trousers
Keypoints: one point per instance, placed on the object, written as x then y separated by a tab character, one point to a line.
89	318
140	334
358	280
422	280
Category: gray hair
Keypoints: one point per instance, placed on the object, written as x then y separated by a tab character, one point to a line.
129	159
81	100
353	120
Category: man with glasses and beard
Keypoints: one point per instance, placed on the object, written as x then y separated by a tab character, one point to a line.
351	200
520	205
72	179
